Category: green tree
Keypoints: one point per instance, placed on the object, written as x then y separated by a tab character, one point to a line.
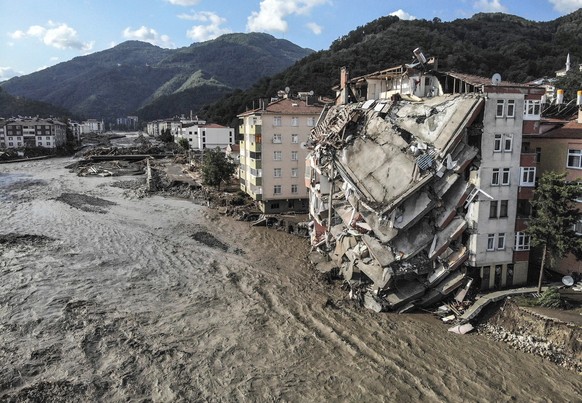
184	143
571	83
555	214
216	168
166	136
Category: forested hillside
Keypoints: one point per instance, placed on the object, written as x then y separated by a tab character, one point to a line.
518	49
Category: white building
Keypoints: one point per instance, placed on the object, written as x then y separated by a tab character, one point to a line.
46	133
202	136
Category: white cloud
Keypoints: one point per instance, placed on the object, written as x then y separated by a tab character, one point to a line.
57	35
8	72
315	28
149	35
566	6
272	14
490	6
186	3
403	15
212	27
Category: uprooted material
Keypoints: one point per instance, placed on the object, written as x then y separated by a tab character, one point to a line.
388	197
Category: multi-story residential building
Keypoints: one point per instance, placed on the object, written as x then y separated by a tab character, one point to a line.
93	126
558	148
201	135
418	184
46	133
272	153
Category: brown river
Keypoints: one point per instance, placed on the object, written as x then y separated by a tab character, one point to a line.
109	297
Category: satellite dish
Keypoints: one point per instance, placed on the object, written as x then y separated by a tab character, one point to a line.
287	89
568	280
311	93
496	79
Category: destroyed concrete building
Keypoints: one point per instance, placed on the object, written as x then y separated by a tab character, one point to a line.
415	177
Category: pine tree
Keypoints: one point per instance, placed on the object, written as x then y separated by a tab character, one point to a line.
554	218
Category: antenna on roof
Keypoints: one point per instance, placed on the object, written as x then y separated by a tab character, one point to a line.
496	79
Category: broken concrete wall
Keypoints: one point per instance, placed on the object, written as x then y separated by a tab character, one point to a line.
397	170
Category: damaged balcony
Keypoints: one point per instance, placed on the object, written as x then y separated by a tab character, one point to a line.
389	195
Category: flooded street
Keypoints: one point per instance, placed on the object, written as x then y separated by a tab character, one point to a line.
105	296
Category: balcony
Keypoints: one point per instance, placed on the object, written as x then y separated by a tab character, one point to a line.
250	129
254	164
256	180
254	147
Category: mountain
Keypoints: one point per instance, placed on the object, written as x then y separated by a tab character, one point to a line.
488	43
11	106
119	81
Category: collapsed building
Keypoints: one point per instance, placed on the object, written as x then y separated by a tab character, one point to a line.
418	185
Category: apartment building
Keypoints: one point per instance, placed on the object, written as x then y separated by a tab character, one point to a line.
34	132
418	184
558	148
205	135
273	151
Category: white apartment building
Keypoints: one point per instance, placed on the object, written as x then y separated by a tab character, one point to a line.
202	136
46	133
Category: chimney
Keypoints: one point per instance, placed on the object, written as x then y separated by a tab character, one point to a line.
344	91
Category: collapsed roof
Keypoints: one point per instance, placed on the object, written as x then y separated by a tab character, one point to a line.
389	193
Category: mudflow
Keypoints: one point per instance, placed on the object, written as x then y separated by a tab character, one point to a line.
107	296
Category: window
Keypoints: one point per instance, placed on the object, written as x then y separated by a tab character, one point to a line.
503	208
493	209
527	176
574	158
277	172
500	108
532	108
9	138
510	108
47	137
277	155
294	138
293	188
578	227
11	144
495	177
507	143
294	172
294	155
538	154
277	121
277	189
294	121
505	177
311	122
521	241
276	138
48	143
491	242
497	143
501	241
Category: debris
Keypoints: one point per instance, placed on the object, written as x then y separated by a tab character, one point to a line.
461	329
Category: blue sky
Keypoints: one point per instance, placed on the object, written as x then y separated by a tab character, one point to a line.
35	34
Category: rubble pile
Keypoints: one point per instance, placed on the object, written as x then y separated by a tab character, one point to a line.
390	186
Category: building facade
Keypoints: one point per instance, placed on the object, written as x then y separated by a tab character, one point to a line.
272	153
23	133
418	184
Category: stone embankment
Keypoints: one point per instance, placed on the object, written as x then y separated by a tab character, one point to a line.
526	330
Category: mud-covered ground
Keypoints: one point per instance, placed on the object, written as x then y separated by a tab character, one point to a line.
106	296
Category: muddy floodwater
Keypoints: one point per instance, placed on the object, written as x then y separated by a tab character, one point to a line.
105	296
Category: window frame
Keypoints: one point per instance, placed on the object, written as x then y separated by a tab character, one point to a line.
277	155
277	172
503	208
294	138
510	108
294	172
277	121
506	174
508	139
522	241
490	242
277	138
495	177
524	176
500	108
294	155
497	141
501	241
294	189
277	189
573	153
493	206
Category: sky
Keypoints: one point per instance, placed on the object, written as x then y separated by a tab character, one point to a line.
36	34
